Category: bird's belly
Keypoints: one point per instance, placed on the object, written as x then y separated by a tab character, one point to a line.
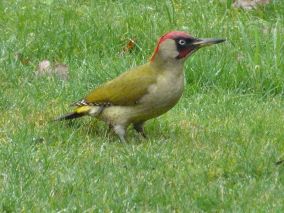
160	98
131	114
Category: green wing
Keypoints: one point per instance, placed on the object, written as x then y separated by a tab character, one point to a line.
126	89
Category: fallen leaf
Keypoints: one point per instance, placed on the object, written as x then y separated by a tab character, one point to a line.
44	68
19	57
249	4
62	71
130	46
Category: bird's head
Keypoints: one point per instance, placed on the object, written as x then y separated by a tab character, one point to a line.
178	46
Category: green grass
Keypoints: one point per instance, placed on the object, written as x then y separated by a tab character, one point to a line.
215	151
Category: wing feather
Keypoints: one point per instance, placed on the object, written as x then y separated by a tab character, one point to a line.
126	89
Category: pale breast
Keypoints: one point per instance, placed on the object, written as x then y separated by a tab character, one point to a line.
161	97
166	91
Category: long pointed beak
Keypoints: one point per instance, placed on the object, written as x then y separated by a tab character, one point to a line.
202	42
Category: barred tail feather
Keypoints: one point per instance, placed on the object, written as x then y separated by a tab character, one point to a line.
79	112
69	116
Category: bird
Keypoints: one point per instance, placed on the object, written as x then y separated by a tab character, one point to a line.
144	92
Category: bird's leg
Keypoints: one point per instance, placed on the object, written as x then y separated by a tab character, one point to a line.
140	129
120	131
110	127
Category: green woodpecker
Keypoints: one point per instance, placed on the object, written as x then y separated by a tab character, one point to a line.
143	92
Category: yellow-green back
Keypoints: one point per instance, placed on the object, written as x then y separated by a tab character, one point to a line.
126	89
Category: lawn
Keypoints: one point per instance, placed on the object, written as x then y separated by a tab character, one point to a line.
215	151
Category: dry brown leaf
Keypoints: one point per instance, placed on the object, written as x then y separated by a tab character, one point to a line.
249	4
46	68
62	71
130	46
19	57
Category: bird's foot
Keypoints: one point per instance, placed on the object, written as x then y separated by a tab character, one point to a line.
140	129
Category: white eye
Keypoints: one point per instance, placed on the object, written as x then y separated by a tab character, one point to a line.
181	42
